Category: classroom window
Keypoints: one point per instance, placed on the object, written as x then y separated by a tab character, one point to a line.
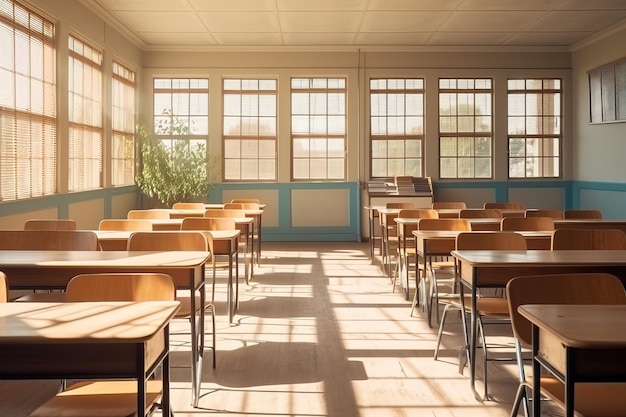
181	112
318	128
123	126
85	116
534	128
28	133
250	126
396	127
465	128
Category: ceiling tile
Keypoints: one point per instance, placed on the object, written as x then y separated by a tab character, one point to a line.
320	5
403	21
318	38
226	22
576	21
233	5
320	21
165	22
408	5
466	38
545	39
489	21
509	5
193	39
148	5
392	38
254	39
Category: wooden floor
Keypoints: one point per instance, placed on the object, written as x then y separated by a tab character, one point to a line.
319	333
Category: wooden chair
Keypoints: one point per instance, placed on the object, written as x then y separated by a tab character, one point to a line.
216	247
148	214
109	398
50	224
406	247
601	399
175	241
4	288
389	234
188	206
480	214
431	266
449	205
490	308
246	238
505	206
242	206
582	214
589	239
125	224
400	205
514	224
553	214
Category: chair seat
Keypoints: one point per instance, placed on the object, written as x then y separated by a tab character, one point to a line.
486	306
99	399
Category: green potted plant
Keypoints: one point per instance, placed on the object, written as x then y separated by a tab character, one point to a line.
173	170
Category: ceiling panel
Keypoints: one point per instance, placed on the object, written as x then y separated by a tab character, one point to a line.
215	24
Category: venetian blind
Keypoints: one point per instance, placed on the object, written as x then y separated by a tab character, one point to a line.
28	137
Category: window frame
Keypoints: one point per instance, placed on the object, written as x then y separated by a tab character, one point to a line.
542	117
123	80
462	136
319	138
256	149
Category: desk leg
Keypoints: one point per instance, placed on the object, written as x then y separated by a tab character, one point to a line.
371	222
230	293
197	341
472	338
165	378
259	229
536	373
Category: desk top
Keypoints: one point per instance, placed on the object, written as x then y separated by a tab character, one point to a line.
54	258
83	322
506	258
452	234
581	326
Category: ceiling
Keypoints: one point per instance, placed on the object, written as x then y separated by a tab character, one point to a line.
360	24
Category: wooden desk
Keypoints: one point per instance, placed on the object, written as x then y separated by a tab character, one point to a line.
53	270
493	269
386	216
577	343
93	340
372	216
590	224
111	240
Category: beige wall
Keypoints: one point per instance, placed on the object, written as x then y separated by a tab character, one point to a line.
599	148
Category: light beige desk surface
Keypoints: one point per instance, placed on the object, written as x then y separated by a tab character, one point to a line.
446	239
581	326
93	340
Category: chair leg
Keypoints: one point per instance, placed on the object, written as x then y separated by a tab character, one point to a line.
446	310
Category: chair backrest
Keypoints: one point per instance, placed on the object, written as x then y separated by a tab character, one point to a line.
419	213
445	224
576	288
188	206
120	287
480	214
167	240
208	223
449	205
589	239
508	205
4	288
490	241
49	240
236	206
527	224
148	214
553	214
582	214
245	200
124	224
50	224
231	213
400	205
